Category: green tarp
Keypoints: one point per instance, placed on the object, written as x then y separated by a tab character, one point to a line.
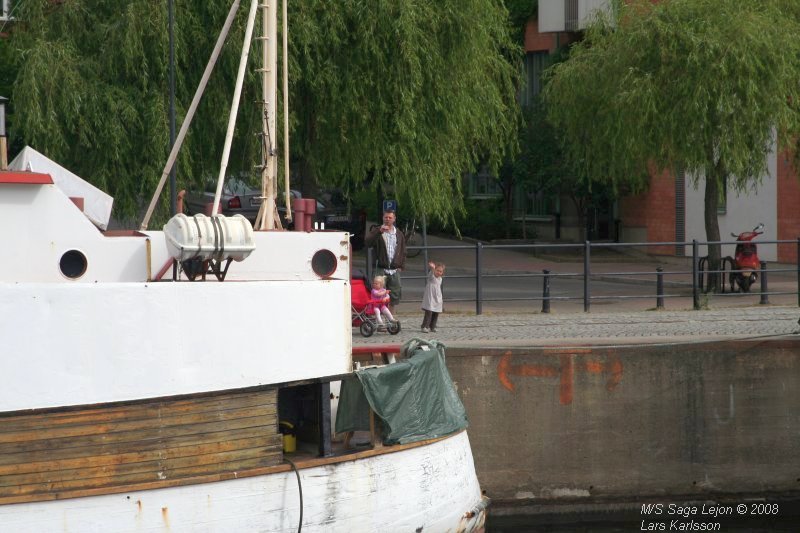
414	398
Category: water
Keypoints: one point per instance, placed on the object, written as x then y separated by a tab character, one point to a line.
787	520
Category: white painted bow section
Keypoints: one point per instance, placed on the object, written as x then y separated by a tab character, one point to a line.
109	335
97	203
430	487
40	224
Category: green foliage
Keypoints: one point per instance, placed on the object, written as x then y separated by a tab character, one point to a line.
8	69
549	170
408	94
519	13
697	83
542	166
483	219
92	92
365	199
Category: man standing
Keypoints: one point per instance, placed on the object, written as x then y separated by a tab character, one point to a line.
391	245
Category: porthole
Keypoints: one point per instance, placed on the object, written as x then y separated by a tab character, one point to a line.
323	263
73	264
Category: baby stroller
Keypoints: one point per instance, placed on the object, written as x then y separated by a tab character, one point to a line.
362	308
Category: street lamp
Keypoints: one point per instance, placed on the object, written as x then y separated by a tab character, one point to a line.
3	148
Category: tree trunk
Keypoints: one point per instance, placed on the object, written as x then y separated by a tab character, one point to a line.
713	179
509	213
580	208
380	196
507	200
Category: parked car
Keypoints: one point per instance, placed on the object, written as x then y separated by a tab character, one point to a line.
338	213
239	198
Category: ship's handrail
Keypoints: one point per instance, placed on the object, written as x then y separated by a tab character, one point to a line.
375	354
382	348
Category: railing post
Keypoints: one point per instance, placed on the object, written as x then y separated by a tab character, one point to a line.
546	291
369	263
478	287
764	290
587	251
659	288
425	239
695	259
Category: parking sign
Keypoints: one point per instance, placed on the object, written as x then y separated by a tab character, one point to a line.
390	205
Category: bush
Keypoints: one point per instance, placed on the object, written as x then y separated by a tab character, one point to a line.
484	220
365	199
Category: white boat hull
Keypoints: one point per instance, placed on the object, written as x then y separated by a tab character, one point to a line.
113	342
430	488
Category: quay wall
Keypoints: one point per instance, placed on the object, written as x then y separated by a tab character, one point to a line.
559	425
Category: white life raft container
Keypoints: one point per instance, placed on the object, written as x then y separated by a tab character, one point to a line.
217	237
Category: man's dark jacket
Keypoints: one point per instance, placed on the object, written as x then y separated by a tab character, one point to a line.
375	237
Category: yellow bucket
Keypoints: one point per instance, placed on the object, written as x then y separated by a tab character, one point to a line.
289	438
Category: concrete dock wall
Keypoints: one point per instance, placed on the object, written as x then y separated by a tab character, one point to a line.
600	424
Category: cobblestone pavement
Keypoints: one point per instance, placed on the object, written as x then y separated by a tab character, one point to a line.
596	329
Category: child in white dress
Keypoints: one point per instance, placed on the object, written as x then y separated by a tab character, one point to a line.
432	299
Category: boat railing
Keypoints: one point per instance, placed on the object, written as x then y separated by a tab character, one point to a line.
377	354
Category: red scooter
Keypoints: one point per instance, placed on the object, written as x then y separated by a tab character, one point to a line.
745	265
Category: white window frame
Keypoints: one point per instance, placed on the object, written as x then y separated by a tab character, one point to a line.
483	185
524	204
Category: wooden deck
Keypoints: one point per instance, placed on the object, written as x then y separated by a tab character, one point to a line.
71	452
52	454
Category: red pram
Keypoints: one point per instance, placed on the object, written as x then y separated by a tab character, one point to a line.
362	309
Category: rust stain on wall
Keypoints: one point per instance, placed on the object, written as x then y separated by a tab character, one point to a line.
570	362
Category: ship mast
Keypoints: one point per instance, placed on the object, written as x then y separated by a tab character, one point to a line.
267	215
268	93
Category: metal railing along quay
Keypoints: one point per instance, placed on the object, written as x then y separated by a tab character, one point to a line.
697	277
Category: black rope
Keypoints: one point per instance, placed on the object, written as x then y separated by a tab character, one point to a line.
219	238
300	487
199	236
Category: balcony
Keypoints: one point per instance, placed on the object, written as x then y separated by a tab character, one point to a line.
568	15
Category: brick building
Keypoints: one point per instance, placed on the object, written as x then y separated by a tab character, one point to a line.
671	210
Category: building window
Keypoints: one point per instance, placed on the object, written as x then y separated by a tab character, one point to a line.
539	205
484	185
535	63
533	204
680	211
571	15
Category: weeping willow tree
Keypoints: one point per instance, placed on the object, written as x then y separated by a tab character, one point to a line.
410	94
92	91
383	93
696	84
